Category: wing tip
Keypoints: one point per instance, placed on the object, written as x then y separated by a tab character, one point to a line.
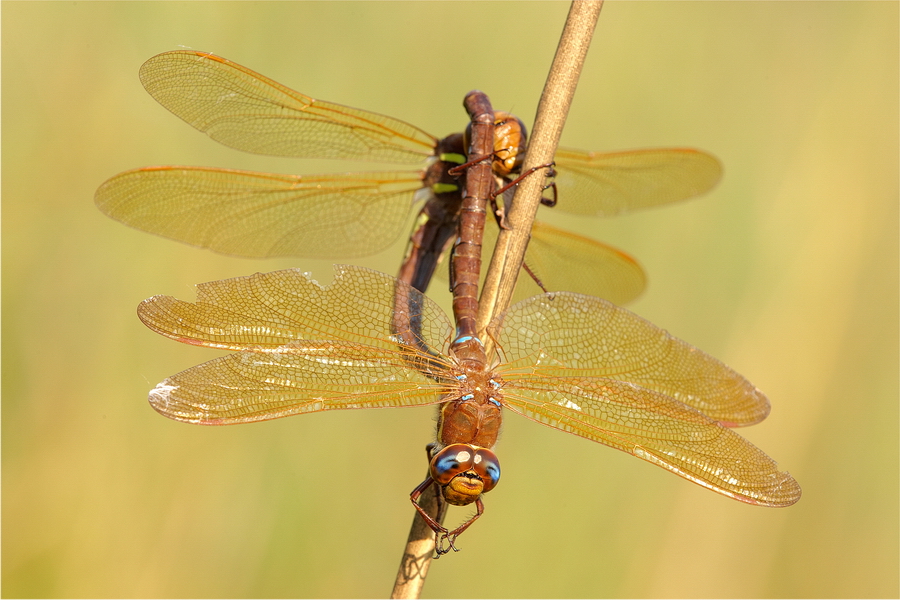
775	489
160	395
162	401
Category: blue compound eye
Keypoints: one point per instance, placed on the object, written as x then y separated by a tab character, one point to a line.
451	461
487	466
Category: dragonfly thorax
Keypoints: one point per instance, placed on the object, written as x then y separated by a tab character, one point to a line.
448	153
472	413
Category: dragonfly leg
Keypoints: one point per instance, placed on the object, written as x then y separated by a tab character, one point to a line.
450	536
414	498
439	549
534	277
441	534
430	450
509	184
460	169
499	211
444	540
550	202
551	172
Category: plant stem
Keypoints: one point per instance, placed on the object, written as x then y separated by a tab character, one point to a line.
553	108
510	250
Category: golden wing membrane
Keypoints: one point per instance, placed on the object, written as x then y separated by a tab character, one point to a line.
300	377
606	184
269	310
575	363
656	428
261	215
573	335
566	261
244	110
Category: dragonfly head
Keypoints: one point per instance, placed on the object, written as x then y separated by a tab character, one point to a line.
465	472
509	143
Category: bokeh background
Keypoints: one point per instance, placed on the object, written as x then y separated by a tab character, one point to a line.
788	271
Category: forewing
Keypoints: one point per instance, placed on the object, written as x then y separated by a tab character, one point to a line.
260	215
299	377
571	335
269	310
654	427
247	111
605	184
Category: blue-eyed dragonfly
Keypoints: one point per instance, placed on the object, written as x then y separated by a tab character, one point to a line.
569	361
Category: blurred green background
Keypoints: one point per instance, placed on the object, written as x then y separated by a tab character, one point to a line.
787	271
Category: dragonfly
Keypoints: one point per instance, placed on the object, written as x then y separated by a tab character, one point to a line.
576	363
573	362
253	214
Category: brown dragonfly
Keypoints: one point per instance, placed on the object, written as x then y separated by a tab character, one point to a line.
368	340
352	214
572	362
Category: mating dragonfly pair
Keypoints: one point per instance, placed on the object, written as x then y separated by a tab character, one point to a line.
571	360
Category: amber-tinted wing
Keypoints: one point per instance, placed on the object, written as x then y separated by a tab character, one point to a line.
268	310
606	184
261	215
244	110
565	261
571	335
299	377
654	427
305	347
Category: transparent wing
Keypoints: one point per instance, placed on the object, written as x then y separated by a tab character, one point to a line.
656	428
564	261
571	335
259	215
247	111
606	184
296	378
268	310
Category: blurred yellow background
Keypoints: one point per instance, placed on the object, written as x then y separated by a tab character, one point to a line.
787	271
